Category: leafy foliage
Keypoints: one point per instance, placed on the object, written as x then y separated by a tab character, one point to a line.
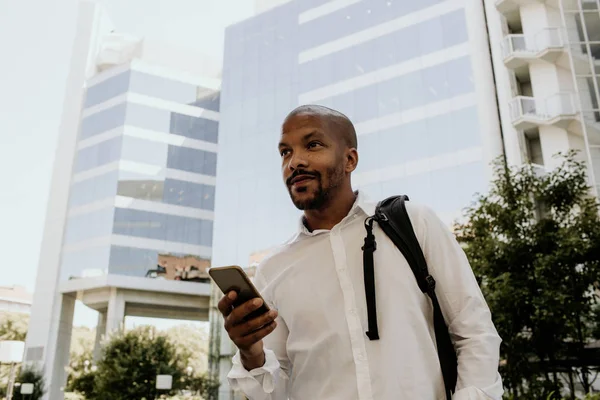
191	345
203	385
534	245
13	326
30	375
130	363
80	361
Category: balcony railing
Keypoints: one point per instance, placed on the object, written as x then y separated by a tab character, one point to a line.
505	6
560	105
530	46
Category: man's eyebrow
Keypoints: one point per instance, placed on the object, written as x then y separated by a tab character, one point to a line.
313	134
310	135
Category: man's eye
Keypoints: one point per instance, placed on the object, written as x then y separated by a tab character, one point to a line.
283	153
312	145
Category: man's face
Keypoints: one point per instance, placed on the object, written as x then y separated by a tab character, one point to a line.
312	161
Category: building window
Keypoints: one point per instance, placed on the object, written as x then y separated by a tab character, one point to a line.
534	148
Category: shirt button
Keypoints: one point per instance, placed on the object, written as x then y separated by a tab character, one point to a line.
352	311
360	357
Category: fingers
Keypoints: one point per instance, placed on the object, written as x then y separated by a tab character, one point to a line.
237	315
245	342
248	327
226	303
246	333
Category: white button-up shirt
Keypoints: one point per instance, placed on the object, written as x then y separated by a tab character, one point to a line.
319	349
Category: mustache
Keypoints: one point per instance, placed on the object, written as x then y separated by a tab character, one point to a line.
301	172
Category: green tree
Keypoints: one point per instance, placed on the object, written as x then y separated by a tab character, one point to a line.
534	245
34	376
203	385
81	360
130	363
13	326
191	346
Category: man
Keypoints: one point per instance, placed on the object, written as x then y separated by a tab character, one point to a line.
312	345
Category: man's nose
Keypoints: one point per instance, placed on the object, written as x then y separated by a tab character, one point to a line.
297	161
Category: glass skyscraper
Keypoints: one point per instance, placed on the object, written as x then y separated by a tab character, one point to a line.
416	79
131	208
144	175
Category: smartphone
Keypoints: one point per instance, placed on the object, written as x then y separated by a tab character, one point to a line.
234	278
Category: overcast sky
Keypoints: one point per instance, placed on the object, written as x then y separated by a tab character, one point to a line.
36	37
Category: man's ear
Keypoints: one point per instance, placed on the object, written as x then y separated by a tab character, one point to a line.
351	160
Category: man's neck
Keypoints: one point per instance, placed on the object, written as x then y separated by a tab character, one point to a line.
330	215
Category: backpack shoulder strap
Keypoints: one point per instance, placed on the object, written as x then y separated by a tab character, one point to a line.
393	218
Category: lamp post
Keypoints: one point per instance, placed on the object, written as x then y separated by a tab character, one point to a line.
11	352
164	382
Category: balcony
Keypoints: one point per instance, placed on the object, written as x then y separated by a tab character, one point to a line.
508	6
518	50
557	110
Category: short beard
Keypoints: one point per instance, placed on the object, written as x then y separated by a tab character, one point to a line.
323	195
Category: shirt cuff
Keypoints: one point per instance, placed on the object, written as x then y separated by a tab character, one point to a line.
249	381
470	393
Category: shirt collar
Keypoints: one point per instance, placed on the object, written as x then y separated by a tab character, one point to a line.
362	205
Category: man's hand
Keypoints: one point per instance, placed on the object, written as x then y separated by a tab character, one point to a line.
247	335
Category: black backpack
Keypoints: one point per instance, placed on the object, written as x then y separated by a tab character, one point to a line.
392	217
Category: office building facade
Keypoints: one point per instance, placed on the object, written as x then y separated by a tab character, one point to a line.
416	79
547	62
130	215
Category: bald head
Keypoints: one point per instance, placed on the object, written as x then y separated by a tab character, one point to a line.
335	120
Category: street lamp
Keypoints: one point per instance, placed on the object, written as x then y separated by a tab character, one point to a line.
11	352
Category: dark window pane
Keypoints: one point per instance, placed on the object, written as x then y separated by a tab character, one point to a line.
192	160
93	189
194	127
151	190
88	262
407	91
189	194
399	46
107	89
90	225
355	18
99	154
132	262
162	227
103	121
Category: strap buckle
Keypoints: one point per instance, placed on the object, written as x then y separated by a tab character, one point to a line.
430	282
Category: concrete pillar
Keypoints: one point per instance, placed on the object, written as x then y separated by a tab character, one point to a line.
62	348
481	61
115	315
100	334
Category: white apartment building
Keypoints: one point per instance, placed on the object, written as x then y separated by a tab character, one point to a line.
546	57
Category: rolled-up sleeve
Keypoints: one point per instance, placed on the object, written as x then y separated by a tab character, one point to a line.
469	320
269	382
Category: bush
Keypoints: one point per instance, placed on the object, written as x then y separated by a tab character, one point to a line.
130	363
30	375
